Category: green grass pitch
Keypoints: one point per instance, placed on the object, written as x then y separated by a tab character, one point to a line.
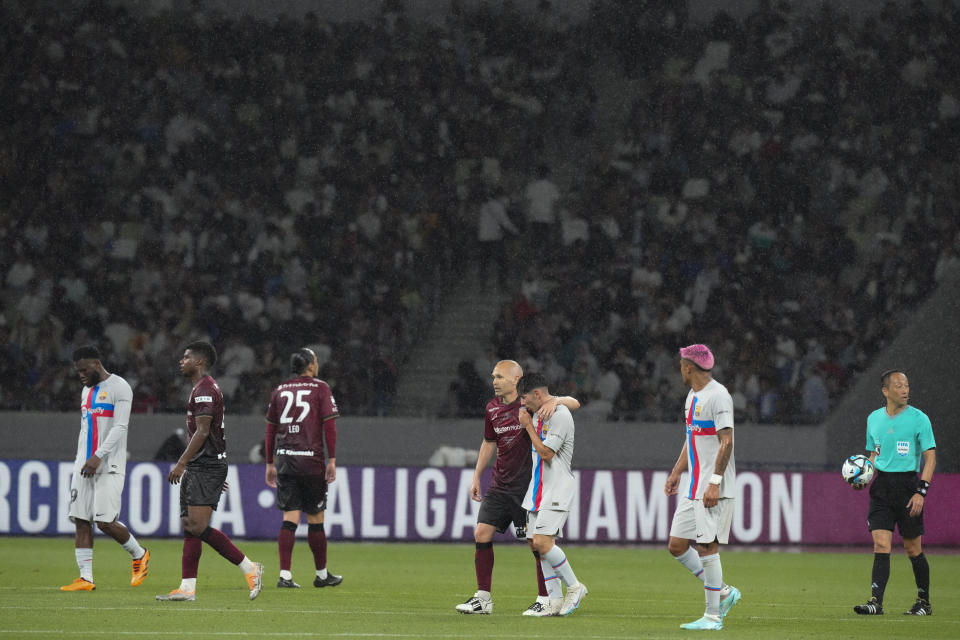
409	591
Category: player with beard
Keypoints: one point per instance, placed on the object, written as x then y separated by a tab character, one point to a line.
100	466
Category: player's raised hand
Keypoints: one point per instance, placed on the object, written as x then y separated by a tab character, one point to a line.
524	417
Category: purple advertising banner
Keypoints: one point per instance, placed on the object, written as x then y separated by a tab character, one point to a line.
425	503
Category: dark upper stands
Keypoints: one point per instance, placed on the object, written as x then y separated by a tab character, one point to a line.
785	190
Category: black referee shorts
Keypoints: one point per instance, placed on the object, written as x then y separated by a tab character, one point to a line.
889	495
201	487
500	509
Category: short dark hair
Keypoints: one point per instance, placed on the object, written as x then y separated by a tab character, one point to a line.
86	352
301	359
205	349
885	376
530	382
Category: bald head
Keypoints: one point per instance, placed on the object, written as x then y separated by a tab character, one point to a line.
505	376
512	367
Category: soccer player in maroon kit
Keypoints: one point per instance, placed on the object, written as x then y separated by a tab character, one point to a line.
302	414
203	469
503	436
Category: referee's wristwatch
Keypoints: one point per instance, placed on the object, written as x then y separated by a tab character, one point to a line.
922	488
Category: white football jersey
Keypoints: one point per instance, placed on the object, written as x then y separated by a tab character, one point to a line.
104	418
705	413
552	484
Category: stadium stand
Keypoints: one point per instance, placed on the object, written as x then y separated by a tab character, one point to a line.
784	188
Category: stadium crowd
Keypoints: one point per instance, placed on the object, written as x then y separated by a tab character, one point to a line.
785	189
266	184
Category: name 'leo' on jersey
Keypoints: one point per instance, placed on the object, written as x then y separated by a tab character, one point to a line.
298	410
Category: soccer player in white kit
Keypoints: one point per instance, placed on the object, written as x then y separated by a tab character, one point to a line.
100	466
705	509
550	492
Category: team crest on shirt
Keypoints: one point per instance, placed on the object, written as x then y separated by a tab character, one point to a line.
696	411
102	395
903	447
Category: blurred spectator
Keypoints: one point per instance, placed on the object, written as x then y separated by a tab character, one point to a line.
172	448
815	402
469	392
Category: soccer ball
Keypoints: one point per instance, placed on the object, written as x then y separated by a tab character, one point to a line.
858	471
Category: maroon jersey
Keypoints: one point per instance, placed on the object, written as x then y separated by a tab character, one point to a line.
206	399
301	414
511	471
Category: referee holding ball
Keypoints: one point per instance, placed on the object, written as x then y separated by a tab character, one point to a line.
898	436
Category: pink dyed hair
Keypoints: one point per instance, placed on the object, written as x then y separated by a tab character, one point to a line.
699	354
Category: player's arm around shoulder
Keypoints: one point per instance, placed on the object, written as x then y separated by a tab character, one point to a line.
550	406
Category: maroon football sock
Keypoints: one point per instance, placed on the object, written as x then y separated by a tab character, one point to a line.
222	544
317	539
541	585
285	541
190	560
483	559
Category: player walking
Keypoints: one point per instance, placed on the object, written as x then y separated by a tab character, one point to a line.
899	436
705	510
505	438
550	492
203	469
100	467
302	414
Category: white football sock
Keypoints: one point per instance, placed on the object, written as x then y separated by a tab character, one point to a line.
85	563
322	574
691	560
285	575
551	580
188	584
558	560
246	566
133	547
712	583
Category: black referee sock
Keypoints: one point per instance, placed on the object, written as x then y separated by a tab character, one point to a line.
881	573
921	573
